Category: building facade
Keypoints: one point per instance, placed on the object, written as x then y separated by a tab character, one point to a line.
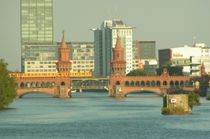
105	39
40	58
144	56
189	57
82	56
36	27
36	21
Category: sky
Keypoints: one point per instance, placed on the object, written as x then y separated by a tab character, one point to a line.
170	23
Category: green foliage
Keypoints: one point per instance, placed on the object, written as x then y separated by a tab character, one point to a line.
139	72
7	86
173	71
194	99
208	98
176	110
165	110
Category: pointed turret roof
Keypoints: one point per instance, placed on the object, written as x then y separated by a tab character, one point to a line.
118	43
63	42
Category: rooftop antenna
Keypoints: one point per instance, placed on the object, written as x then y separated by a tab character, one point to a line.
63	34
194	40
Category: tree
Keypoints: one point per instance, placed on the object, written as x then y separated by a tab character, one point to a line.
7	86
139	72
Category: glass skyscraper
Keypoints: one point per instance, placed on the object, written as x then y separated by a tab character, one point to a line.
38	50
36	21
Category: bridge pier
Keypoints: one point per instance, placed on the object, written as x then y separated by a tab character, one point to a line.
116	92
62	92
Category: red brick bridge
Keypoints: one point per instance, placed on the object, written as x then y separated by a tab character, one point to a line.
123	85
120	85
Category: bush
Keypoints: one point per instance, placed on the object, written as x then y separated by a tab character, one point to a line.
165	110
208	97
176	110
194	99
7	86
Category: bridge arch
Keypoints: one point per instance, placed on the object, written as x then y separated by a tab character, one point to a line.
176	83
142	83
154	90
23	92
137	83
165	83
181	83
117	83
158	83
153	83
62	83
148	83
127	83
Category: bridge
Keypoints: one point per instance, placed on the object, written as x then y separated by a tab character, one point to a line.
61	83
124	85
121	85
55	84
85	84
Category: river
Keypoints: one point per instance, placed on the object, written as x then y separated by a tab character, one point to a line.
93	115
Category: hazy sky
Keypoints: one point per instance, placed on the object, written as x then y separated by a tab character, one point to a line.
170	23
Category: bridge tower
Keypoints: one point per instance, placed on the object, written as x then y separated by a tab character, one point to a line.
118	63
64	65
118	66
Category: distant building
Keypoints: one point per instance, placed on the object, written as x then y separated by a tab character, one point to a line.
144	56
81	55
189	57
105	40
40	58
36	17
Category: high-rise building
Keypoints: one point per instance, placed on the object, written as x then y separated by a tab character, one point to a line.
36	18
105	39
36	21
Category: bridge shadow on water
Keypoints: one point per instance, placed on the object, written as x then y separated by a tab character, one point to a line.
143	94
36	95
90	94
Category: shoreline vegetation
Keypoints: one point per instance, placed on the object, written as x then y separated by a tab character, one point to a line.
7	86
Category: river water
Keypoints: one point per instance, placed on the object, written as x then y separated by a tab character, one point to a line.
93	115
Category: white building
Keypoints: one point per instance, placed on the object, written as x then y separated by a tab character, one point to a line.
82	56
105	40
39	58
189	57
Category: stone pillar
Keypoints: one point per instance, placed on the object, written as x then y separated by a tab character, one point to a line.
117	92
63	92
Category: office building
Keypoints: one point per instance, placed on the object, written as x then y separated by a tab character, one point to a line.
36	18
189	57
105	39
82	56
36	21
40	58
144	56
